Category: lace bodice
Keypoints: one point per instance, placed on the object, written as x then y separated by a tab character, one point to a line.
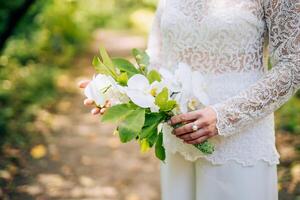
225	40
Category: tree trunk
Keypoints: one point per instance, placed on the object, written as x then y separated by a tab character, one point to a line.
14	18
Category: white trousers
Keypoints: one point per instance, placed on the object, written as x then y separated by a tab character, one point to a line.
201	180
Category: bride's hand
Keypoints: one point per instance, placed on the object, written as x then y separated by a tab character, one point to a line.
205	119
90	102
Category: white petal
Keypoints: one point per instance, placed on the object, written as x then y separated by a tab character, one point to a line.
202	97
169	80
166	74
97	86
121	89
138	82
93	93
184	76
154	108
158	86
199	88
159	127
183	104
140	98
102	81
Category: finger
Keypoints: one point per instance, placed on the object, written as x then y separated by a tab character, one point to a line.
184	117
198	140
88	102
187	128
102	110
95	111
83	83
194	135
107	104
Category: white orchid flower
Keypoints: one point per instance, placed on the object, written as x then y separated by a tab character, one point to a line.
142	93
199	88
188	85
169	79
103	88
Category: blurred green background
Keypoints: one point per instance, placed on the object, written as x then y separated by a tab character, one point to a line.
45	48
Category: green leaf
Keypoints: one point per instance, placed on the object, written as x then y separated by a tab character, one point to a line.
131	125
152	138
122	79
169	105
162	101
153	118
107	62
205	147
142	59
148	130
159	148
125	66
144	145
99	66
162	98
105	57
153	75
117	113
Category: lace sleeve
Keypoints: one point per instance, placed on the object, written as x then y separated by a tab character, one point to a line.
278	84
154	39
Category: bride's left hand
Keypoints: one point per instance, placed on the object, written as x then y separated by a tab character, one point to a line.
205	119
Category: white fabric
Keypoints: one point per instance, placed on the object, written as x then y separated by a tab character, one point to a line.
224	40
201	180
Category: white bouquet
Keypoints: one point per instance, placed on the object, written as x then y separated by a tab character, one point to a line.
142	99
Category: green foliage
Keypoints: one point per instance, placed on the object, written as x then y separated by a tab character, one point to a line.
137	123
144	145
125	66
102	68
288	116
131	125
22	95
122	78
142	60
162	100
105	57
159	148
151	122
117	113
44	42
205	147
153	75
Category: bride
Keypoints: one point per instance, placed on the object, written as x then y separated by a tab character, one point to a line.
225	41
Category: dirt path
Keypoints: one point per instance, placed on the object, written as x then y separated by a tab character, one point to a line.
85	161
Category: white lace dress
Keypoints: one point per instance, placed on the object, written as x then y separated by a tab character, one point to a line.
224	39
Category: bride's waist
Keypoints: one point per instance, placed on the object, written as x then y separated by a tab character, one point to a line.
222	86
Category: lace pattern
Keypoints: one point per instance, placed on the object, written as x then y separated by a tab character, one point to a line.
224	39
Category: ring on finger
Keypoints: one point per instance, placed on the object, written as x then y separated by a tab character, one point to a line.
195	127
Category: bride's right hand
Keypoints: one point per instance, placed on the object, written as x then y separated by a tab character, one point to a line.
90	102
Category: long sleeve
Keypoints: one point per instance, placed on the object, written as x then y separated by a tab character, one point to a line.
154	39
278	84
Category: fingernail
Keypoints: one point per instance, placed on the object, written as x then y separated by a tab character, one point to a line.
80	84
95	111
102	110
88	102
